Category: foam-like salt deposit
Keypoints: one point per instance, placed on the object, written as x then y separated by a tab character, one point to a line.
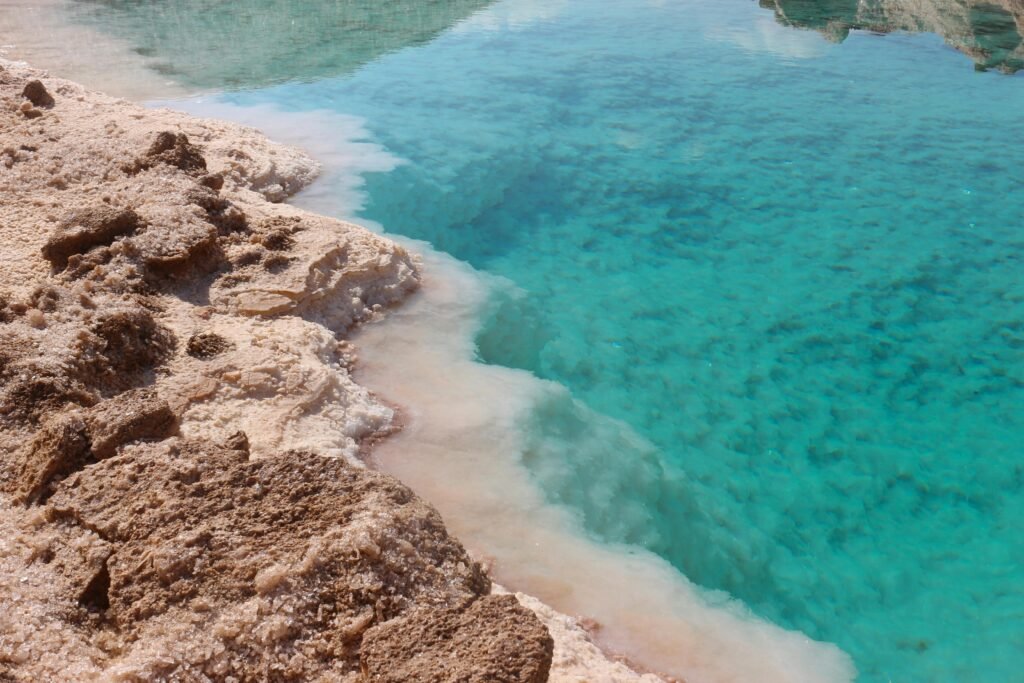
463	448
339	141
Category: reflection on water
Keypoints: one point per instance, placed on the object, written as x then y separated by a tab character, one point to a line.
988	31
250	43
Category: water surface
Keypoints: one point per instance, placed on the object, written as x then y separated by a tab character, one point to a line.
789	268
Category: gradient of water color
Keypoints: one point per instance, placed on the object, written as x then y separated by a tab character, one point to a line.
791	267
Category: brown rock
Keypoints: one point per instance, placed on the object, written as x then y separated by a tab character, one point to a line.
176	150
180	250
278	240
207	345
220	212
314	550
494	640
214	181
130	416
59	448
69	442
83	230
127	344
35	92
239	441
34	393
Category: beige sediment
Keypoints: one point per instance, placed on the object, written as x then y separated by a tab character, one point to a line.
40	33
242	304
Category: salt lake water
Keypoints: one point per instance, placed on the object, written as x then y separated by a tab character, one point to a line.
787	271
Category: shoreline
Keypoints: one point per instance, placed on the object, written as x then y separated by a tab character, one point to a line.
279	320
672	609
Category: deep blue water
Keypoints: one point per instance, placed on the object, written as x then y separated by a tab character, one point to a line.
793	266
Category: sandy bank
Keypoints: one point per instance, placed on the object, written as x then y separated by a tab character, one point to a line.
180	493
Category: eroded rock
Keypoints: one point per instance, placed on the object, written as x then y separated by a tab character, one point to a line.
83	230
495	639
207	345
123	347
59	448
35	92
130	416
175	150
283	564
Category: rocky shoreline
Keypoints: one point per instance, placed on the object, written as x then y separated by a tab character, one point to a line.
181	494
989	32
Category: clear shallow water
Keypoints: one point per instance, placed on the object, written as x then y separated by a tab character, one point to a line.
791	267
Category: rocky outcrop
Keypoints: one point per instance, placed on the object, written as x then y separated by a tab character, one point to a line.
158	517
988	31
189	561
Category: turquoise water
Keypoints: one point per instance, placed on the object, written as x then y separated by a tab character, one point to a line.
793	266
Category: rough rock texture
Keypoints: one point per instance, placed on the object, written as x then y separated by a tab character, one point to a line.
59	447
185	560
171	377
131	416
207	345
92	227
273	568
495	639
128	232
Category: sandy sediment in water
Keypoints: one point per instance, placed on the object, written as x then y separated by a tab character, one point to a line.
180	493
39	33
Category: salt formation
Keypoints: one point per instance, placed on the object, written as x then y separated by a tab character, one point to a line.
171	380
